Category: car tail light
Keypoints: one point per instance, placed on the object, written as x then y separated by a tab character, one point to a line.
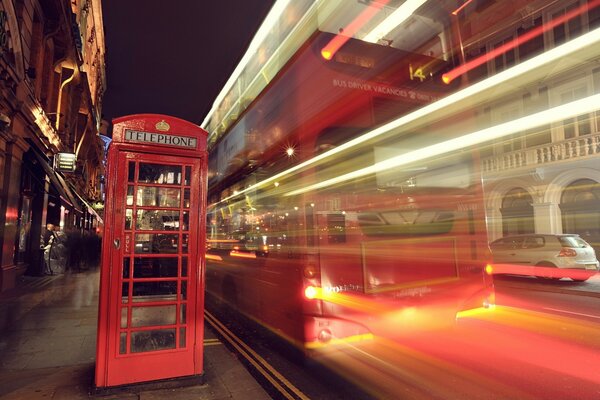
567	252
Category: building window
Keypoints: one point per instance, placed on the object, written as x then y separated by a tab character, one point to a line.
580	207
517	212
576	126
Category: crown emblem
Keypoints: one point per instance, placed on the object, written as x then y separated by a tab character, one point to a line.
163	126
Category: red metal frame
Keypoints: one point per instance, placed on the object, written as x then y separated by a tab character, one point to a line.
150	324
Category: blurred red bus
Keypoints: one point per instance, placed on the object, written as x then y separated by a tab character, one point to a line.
324	232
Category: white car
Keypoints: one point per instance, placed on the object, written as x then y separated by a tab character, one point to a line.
550	256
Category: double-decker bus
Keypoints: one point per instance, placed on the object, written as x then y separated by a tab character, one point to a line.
335	212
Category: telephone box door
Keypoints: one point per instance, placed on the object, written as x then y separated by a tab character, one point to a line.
154	275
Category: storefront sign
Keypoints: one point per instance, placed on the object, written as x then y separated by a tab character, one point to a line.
160	138
65	162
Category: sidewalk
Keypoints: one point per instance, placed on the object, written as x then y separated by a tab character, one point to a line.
48	345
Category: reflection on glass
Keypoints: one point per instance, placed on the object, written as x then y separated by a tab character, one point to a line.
181	337
128	219
184	266
154	291
150	196
183	290
154	315
129	199
126	264
182	314
124	317
161	339
188	175
186	198
123	343
125	292
157	173
131	167
185	226
161	267
154	243
184	244
157	220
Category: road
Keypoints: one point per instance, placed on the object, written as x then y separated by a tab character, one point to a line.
540	342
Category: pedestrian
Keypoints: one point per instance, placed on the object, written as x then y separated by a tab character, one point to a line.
48	238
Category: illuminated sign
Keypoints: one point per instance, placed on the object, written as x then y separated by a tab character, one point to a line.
160	138
65	162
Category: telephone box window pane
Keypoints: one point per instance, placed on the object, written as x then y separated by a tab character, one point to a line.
125	292
128	219
182	316
129	199
161	339
186	198
150	196
161	174
123	343
188	175
131	167
185	226
153	243
181	337
124	317
157	220
183	290
183	266
184	244
126	263
152	316
154	291
162	267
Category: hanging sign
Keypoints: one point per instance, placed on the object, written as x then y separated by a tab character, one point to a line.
65	162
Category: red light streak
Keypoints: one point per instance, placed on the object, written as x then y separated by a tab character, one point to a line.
339	40
455	12
456	72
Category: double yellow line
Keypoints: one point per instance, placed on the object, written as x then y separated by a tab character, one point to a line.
279	382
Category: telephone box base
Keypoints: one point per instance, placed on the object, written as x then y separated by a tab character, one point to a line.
171	383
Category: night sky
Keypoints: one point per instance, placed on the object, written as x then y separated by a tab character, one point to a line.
173	57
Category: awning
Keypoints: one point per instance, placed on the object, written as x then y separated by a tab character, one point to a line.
90	209
57	181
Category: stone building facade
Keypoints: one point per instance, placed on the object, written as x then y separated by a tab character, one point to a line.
52	79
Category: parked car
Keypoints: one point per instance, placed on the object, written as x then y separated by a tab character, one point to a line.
550	256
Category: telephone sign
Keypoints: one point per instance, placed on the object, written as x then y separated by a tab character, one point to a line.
151	310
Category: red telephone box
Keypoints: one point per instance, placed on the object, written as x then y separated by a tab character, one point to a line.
151	311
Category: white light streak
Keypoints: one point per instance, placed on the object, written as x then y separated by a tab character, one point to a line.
393	20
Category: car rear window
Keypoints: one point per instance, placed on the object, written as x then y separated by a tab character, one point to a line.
572	241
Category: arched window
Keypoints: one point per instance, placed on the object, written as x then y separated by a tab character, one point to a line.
580	207
517	212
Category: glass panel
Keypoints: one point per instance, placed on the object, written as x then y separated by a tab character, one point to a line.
125	292
123	343
188	175
184	244
185	226
162	267
131	167
154	291
184	266
183	290
155	196
129	199
186	198
161	339
181	337
150	316
128	219
157	173
156	243
126	264
182	314
124	317
158	220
